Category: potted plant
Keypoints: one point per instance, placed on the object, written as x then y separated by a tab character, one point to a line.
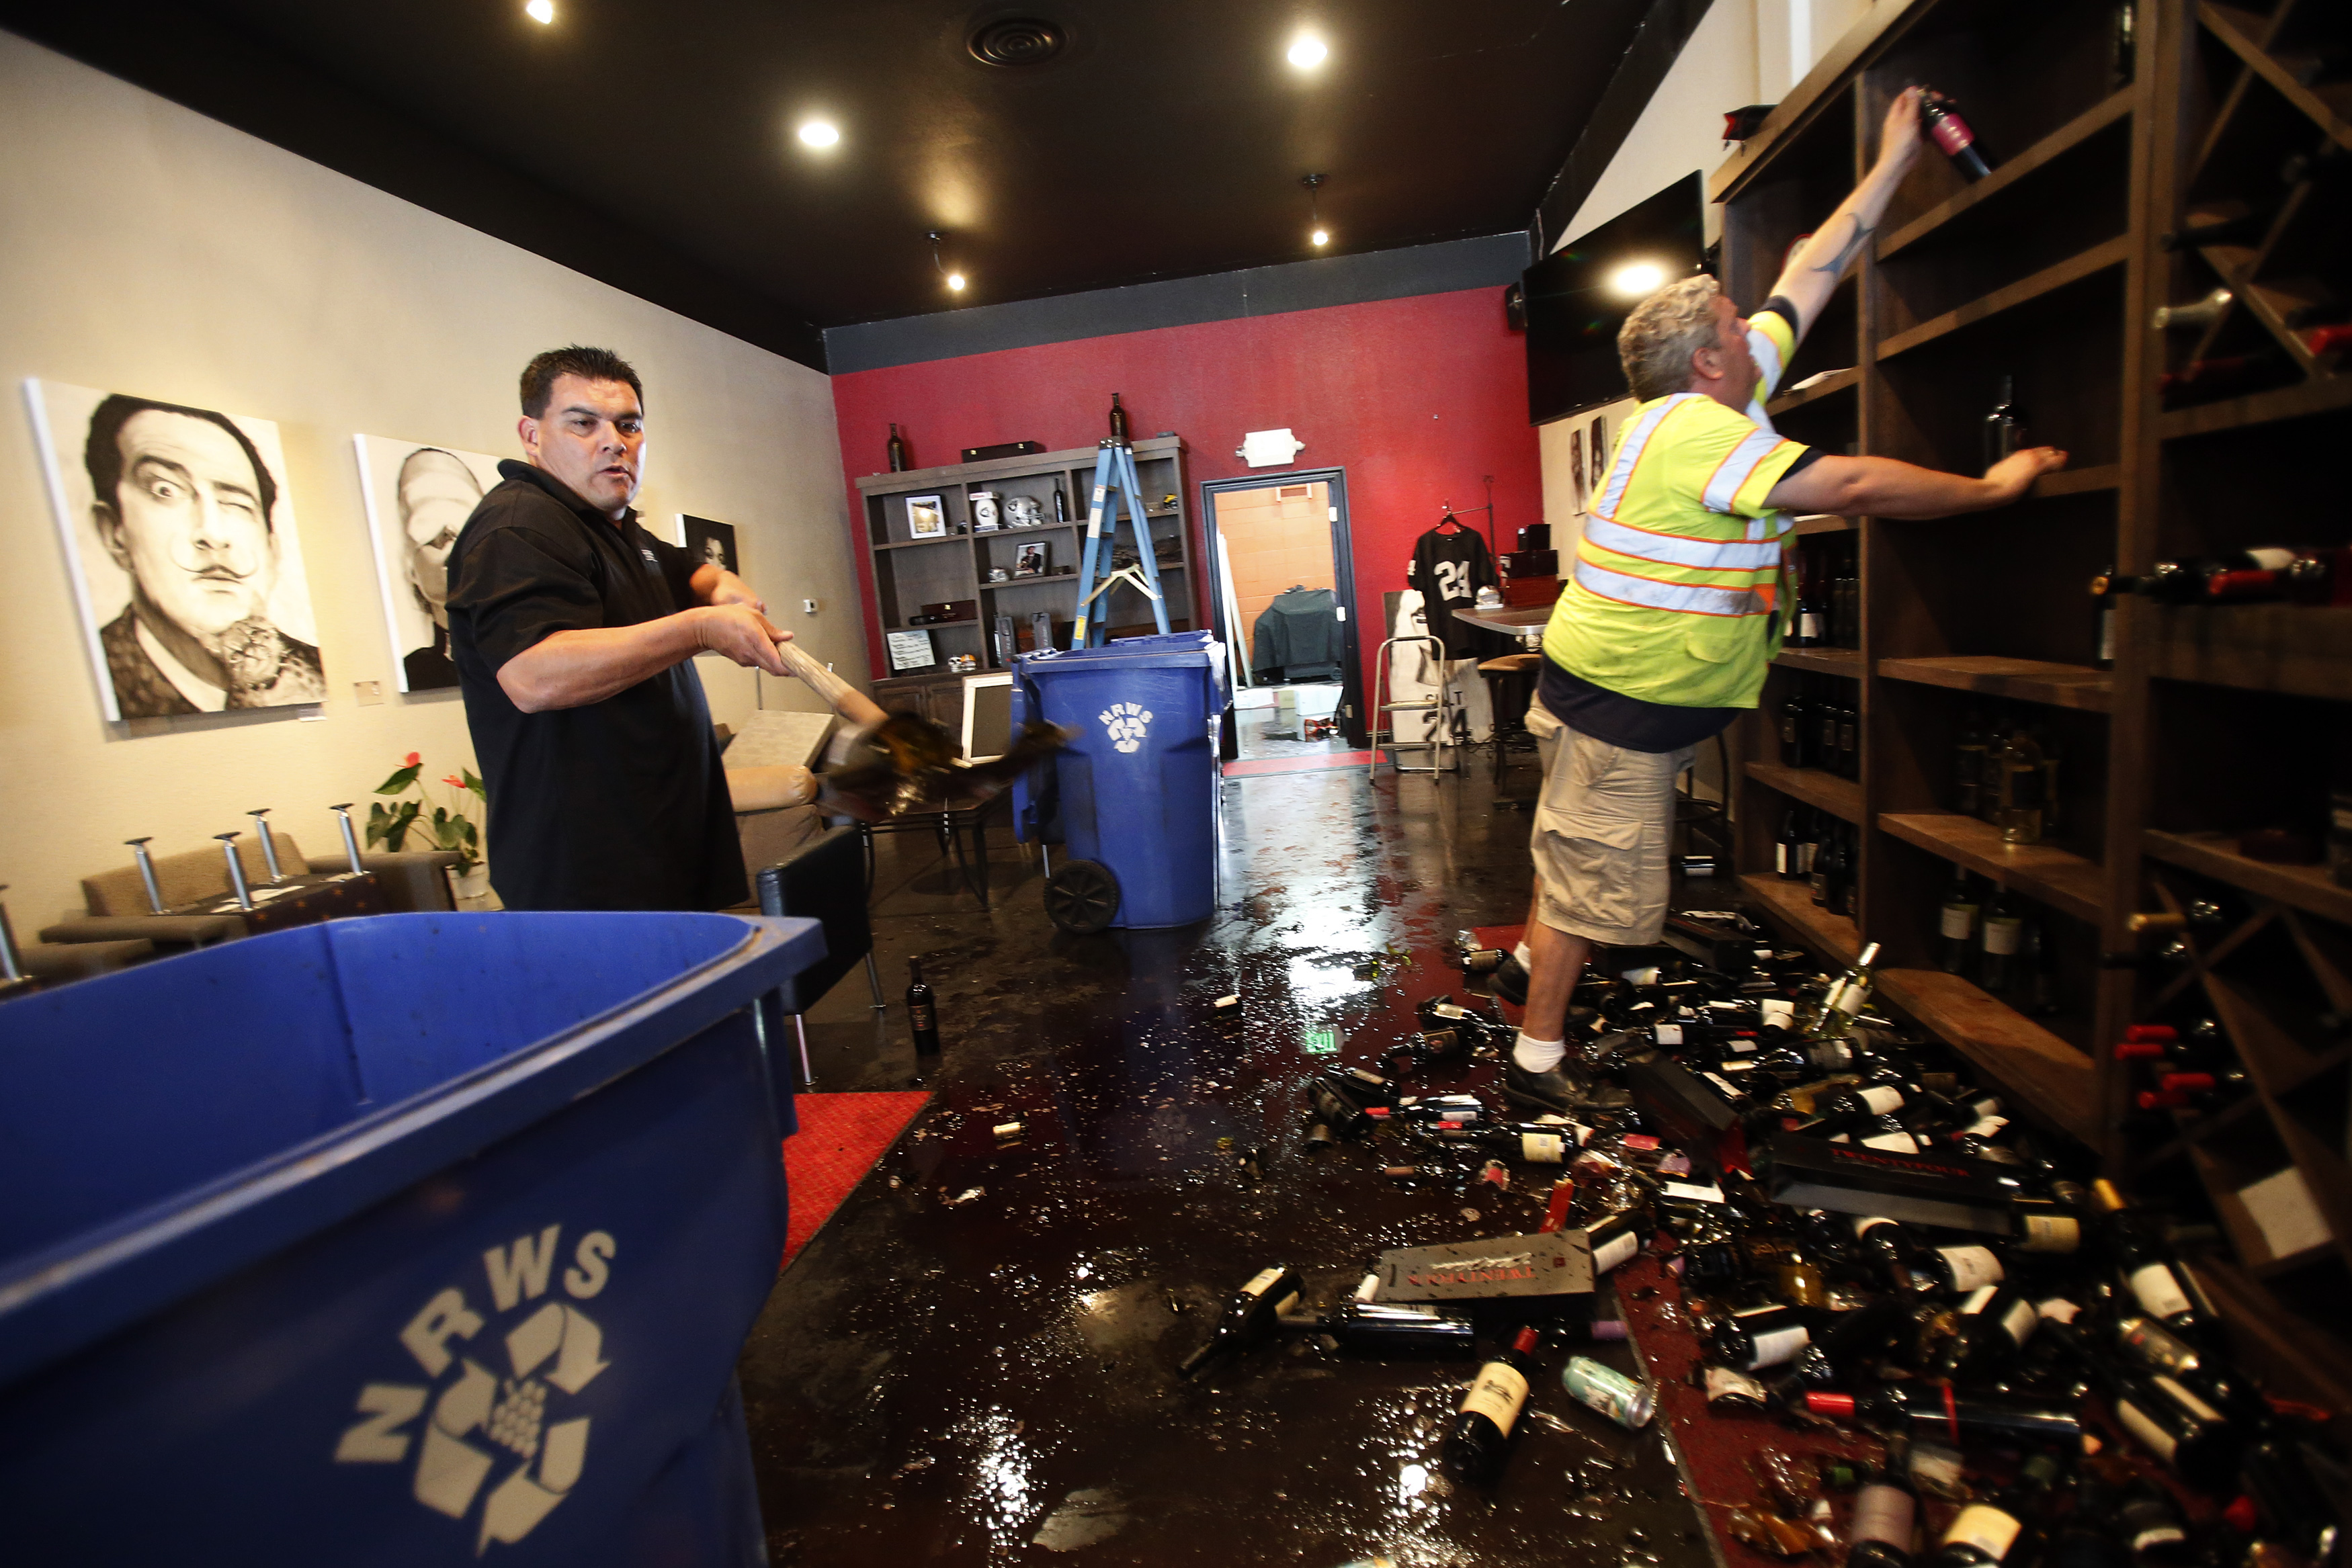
451	826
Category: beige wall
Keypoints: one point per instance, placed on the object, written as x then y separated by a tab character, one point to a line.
151	250
1275	542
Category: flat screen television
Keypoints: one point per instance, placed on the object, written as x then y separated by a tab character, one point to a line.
1579	295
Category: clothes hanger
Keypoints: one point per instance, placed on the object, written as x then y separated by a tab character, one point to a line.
1447	525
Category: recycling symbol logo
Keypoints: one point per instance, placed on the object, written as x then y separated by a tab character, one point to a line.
1127	723
493	1436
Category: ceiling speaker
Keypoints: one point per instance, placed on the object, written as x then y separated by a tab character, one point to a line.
1016	41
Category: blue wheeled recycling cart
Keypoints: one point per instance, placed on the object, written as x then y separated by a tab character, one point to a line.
1134	796
425	1238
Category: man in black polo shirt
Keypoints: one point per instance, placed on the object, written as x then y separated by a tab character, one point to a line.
574	632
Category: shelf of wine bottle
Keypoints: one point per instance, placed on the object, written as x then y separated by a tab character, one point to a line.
1841	798
2024	291
2024	680
2010	173
2065	881
2216	856
2239	29
2302	650
1846	662
2047	1074
1833	936
2078	481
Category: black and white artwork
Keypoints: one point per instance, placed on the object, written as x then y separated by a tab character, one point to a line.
418	498
182	546
709	541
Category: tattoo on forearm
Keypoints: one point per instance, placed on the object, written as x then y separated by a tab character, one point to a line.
1835	266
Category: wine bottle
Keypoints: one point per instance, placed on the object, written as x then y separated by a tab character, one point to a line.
1957	1270
1480	1436
1390	1328
1826	712
1784	847
2103	618
2123	45
1617	1237
1118	422
2194	1439
1796	728
1989	1331
2004	426
2002	936
1061	505
2023	783
1849	756
1809	846
1956	923
1951	133
1969	765
2195	316
1842	887
1754	1337
1250	1317
897	451
1891	1245
1980	1534
2152	1526
1812	615
2154	1348
1848	995
2146	1268
1885	1513
1938	1414
1849	1341
2287	1500
922	1011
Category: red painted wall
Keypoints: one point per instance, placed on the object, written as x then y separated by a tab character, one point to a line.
1415	398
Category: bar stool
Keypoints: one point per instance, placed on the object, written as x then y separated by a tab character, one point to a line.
1511	687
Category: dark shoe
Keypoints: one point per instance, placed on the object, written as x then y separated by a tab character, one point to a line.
1509	981
1554	1091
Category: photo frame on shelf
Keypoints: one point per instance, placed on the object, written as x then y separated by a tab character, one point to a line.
1029	558
926	518
910	650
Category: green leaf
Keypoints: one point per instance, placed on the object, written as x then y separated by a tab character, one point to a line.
473	838
400	780
473	783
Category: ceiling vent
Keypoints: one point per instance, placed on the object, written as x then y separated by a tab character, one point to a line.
1016	41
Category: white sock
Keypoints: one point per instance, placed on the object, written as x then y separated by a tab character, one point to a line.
1526	959
1538	1055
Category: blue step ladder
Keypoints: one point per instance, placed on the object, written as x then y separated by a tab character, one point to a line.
1113	480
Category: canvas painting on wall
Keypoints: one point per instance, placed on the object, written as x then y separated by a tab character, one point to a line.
418	498
707	541
182	546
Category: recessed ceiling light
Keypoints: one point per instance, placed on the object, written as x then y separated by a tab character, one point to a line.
1308	51
1636	278
1322	236
540	10
955	281
817	132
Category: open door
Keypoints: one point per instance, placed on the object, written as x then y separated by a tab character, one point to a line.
1282	594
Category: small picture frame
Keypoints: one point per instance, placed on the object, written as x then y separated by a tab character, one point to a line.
1029	558
910	649
926	518
709	541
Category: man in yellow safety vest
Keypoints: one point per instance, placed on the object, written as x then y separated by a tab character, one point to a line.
1674	609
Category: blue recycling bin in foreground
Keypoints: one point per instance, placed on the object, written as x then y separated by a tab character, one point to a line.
425	1238
1134	795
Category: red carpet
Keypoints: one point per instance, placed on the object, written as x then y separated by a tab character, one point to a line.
1320	762
840	1138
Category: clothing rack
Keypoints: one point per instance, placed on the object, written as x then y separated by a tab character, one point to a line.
1451	514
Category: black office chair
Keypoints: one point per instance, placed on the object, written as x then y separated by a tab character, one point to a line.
825	882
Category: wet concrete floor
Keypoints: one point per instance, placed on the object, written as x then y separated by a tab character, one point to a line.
975	1360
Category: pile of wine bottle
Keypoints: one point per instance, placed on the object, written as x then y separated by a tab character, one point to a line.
1820	727
2005	772
1864	1239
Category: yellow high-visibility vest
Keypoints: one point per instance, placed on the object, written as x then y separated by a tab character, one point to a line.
1675	592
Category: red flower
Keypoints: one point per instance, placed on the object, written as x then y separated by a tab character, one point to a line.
411	759
452	781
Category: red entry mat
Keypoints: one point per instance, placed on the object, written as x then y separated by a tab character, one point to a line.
840	1138
1316	762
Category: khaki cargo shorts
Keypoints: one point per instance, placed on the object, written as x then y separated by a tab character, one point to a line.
1602	828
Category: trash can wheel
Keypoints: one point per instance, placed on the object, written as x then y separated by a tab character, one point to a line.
1082	897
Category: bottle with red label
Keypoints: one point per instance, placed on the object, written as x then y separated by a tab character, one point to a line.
1941	116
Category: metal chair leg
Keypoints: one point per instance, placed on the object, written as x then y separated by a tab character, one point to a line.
873	979
808	1078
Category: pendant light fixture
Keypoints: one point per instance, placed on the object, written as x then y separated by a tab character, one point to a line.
1316	234
955	279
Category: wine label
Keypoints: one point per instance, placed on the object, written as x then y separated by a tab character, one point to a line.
2179	1394
1850	999
1499	1395
1723	1383
1369	1289
2106	633
1898	1143
1988	1126
1777	1010
2051	1233
1645	976
1884	1514
2058	1310
2003	934
1987	1529
2020	1322
1261	1282
1741	1048
2158	1441
1689	1193
1837	990
2270	558
1884	1099
1805	853
1972	1267
923	1016
2158	1291
1974	1301
1668	1033
1809	625
1542	1148
1615	1250
1722	1084
2146	1540
1777	1345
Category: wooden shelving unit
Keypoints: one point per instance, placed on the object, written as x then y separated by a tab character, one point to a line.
911	572
2210	722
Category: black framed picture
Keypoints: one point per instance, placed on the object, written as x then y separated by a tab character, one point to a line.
709	542
1029	559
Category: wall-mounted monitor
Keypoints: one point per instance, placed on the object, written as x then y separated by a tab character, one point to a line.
1579	295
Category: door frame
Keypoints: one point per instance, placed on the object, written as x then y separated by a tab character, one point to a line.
1354	722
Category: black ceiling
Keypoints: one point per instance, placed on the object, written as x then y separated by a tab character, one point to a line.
1167	140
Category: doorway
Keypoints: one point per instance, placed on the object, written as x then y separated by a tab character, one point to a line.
1282	590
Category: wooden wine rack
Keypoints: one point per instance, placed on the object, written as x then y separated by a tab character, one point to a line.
2211	722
